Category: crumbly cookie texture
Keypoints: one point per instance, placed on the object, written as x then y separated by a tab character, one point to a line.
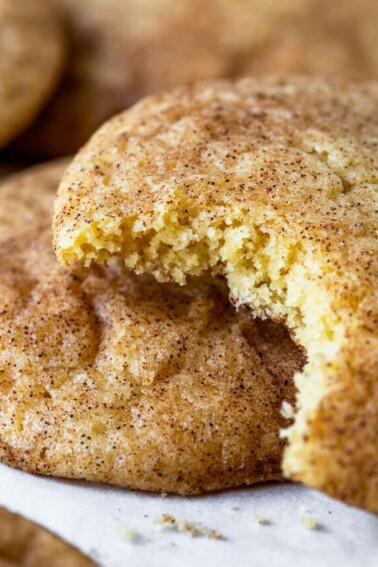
114	378
27	544
32	49
125	49
273	184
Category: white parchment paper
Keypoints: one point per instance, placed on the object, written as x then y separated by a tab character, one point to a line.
100	521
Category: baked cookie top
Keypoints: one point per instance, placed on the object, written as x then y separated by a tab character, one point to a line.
27	544
123	50
32	48
272	183
113	378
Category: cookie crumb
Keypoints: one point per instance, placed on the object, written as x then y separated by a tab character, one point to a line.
167	521
129	534
261	520
189	528
309	522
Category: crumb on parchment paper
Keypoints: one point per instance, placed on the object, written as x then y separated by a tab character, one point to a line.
166	521
128	533
309	522
261	520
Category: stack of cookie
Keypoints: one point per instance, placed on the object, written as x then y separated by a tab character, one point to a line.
209	316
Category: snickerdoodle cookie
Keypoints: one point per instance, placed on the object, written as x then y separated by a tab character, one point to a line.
32	50
27	544
122	50
272	183
113	378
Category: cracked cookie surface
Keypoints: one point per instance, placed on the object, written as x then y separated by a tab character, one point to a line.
273	184
108	377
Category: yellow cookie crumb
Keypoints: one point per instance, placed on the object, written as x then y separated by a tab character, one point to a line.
309	522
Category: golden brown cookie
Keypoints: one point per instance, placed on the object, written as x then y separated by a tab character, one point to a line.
125	49
29	545
273	184
113	378
32	50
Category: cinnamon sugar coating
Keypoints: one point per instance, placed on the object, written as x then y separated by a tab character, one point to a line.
271	182
114	378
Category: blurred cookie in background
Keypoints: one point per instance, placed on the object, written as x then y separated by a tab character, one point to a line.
26	544
32	52
122	50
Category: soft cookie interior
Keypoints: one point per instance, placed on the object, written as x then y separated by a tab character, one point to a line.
272	184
